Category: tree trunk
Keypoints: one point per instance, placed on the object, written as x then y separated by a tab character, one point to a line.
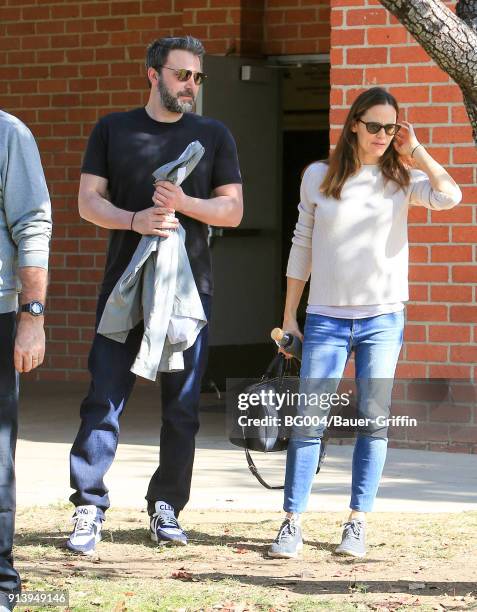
450	40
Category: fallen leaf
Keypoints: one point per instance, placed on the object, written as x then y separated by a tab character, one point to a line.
183	575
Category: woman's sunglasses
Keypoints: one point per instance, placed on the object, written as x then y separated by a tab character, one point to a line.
373	127
184	75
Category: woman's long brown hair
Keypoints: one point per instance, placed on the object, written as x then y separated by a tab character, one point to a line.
344	161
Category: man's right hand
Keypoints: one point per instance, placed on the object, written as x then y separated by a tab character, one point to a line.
29	343
155	221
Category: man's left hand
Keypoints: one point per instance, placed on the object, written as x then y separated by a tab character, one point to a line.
169	196
29	343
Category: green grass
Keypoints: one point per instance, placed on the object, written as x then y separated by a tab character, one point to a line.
226	567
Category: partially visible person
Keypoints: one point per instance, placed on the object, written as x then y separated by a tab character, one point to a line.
351	237
25	232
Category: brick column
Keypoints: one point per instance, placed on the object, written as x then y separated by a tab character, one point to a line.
369	47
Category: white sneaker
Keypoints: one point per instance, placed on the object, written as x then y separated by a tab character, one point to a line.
164	528
87	530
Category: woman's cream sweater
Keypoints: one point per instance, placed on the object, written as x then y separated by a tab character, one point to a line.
356	248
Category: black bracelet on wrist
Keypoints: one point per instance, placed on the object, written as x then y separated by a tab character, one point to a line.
132	220
416	147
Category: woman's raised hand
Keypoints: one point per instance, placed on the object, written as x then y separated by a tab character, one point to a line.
405	140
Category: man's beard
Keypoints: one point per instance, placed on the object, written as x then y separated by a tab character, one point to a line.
172	103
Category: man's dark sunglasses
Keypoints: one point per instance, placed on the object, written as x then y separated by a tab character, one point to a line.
184	75
373	127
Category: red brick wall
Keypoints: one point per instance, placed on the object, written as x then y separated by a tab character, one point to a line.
297	26
369	47
64	64
445	411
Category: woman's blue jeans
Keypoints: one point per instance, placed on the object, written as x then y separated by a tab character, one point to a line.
328	343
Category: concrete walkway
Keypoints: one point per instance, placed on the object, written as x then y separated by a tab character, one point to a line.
414	481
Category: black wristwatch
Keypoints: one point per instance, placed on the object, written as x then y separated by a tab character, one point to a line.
36	309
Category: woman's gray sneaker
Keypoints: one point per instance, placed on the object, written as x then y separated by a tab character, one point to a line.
353	539
289	542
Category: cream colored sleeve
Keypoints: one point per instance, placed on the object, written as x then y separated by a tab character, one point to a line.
423	194
299	260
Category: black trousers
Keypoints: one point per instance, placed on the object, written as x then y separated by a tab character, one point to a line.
95	445
9	578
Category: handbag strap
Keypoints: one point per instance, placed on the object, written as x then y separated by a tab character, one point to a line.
275	367
253	468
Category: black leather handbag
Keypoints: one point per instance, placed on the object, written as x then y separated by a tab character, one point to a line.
272	434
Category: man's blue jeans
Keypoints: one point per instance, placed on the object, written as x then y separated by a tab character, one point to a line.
328	343
95	445
9	578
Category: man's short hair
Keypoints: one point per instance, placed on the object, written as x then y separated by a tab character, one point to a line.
158	51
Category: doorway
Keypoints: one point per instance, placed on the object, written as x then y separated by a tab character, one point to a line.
305	94
278	112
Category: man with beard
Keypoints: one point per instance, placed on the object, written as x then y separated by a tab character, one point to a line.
116	192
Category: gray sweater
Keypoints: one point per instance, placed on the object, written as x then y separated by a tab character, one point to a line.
25	209
356	249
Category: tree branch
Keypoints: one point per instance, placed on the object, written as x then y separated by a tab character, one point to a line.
449	40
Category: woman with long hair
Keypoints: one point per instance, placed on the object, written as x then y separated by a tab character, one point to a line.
351	238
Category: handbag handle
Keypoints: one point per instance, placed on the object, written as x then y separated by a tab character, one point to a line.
253	468
279	366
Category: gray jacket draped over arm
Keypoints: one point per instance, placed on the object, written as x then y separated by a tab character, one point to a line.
159	288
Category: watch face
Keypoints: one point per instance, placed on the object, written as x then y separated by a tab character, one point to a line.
36	308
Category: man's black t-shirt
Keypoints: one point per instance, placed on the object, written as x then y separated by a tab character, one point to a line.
126	148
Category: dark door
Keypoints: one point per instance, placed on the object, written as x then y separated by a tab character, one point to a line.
245	95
